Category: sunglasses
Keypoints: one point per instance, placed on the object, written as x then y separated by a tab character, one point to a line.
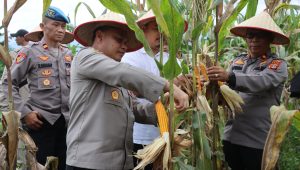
260	35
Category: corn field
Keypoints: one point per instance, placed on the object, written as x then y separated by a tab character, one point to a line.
194	136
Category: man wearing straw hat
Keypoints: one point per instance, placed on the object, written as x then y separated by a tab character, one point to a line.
45	66
259	77
102	110
144	134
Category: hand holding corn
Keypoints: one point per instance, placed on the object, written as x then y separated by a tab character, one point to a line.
181	98
217	73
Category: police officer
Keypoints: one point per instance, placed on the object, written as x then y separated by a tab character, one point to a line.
258	77
45	65
102	111
21	41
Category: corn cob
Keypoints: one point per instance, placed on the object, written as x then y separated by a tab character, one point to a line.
150	153
162	117
197	75
203	71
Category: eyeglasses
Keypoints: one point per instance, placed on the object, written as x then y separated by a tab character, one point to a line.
259	35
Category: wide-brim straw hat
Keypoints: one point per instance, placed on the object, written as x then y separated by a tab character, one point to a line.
37	34
149	16
262	21
84	32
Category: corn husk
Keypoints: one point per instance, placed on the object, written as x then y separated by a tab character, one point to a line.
232	98
181	142
150	153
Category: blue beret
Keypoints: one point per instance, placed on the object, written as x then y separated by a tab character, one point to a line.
56	14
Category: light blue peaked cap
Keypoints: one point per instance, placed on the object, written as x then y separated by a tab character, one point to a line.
56	14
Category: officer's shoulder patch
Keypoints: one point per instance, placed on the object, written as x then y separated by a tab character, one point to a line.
274	65
20	58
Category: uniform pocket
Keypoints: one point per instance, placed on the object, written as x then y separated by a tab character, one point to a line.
47	83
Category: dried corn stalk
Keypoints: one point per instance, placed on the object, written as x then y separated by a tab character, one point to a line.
12	10
11	125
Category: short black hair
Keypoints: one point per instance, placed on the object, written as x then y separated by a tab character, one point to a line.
19	33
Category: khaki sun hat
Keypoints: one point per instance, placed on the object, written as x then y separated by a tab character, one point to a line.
262	21
84	32
37	34
149	16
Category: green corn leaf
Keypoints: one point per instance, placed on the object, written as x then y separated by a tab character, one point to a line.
201	142
87	7
297	120
251	8
175	25
159	65
123	7
155	5
46	4
229	21
285	6
197	30
185	67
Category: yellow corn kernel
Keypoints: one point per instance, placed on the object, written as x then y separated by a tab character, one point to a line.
203	71
162	117
197	75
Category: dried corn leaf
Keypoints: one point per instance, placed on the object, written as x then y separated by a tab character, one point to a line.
12	118
281	121
3	162
52	163
31	150
12	10
4	56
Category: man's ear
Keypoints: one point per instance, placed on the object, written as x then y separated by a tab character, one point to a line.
99	35
42	26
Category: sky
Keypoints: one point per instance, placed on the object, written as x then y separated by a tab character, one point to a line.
30	14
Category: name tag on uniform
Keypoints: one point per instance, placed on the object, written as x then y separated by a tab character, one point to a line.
43	65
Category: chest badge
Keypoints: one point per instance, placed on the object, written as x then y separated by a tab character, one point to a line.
68	58
114	95
239	62
46	82
45	46
44	58
20	58
46	72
